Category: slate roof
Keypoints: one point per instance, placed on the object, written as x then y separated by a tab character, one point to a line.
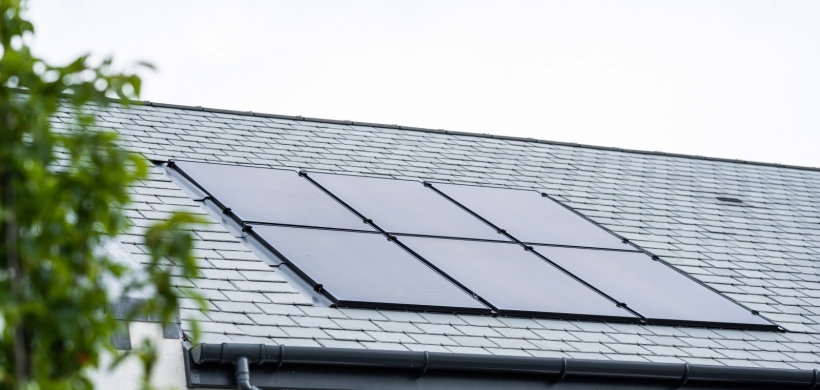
763	253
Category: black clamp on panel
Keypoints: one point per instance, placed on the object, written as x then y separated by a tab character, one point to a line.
226	210
544	194
427	184
391	237
501	231
528	248
620	304
247	228
171	164
318	287
625	241
367	220
656	258
303	174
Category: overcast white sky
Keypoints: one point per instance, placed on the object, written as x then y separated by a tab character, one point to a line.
734	79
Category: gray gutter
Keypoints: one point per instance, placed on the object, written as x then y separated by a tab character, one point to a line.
277	366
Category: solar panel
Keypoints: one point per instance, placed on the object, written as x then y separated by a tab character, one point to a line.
530	217
270	195
403	206
358	267
514	280
365	269
649	287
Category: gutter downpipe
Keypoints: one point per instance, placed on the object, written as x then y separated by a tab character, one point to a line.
232	353
676	373
243	375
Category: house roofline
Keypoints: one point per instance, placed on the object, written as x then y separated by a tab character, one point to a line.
478	135
278	366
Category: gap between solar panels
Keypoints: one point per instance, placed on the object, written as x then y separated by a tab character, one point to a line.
402	209
650	289
402	244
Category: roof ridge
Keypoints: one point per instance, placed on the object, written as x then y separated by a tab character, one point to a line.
471	134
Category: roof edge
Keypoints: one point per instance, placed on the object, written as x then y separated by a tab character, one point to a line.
470	134
210	365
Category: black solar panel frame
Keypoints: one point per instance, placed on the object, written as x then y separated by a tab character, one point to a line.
227	210
579	214
247	227
450	238
172	164
306	174
643	319
375	305
395	239
661	321
499	230
705	324
716	325
541	314
431	185
528	248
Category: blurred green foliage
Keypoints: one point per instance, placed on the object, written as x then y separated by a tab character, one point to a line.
62	195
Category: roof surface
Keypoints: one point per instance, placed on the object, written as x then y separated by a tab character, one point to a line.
762	253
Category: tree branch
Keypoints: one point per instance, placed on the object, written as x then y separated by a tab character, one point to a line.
21	355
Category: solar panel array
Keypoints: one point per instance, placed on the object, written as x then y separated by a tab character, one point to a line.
400	244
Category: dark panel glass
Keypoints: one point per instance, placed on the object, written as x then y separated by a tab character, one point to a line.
364	267
530	217
403	206
649	287
513	279
271	195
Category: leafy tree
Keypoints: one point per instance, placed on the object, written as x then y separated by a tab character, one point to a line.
62	194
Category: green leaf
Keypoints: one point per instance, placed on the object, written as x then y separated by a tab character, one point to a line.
63	192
